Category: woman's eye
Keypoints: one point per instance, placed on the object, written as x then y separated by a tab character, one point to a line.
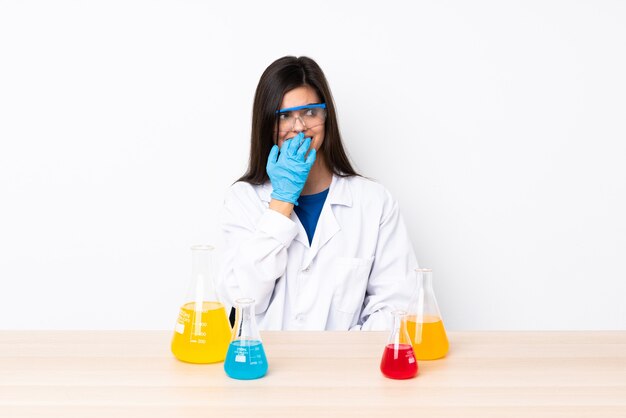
310	112
283	116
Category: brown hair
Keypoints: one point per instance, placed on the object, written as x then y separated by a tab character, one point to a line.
283	75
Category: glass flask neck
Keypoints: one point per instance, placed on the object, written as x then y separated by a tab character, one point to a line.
399	333
423	304
397	320
424	278
246	308
245	321
202	287
202	260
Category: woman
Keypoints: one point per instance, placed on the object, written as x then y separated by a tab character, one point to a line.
315	244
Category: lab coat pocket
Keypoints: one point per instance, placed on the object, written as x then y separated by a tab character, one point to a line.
351	275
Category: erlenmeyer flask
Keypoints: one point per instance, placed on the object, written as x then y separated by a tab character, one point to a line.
202	331
424	322
398	360
245	358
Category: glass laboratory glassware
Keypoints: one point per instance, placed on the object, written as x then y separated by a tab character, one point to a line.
202	331
246	358
424	323
398	360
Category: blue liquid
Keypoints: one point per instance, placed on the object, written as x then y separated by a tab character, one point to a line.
245	360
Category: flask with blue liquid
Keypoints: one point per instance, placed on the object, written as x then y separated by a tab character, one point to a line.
245	358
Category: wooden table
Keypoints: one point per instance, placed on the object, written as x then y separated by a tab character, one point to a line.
313	374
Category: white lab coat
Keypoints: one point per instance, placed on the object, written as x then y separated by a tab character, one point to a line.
357	270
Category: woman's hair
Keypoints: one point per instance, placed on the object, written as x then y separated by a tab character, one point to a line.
283	75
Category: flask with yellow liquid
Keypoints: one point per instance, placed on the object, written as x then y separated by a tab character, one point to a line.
202	332
424	323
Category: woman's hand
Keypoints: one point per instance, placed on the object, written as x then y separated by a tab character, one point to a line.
289	170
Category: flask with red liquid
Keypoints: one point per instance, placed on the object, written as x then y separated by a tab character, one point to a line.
398	360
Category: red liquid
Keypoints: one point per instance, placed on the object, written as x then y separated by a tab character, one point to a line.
400	363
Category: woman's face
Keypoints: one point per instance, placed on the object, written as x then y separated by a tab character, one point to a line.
300	96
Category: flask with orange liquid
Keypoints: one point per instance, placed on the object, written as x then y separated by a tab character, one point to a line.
424	323
202	332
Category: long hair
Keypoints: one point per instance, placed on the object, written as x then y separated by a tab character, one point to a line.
283	75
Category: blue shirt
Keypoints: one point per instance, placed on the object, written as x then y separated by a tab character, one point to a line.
309	209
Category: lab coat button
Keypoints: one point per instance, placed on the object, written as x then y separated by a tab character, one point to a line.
299	317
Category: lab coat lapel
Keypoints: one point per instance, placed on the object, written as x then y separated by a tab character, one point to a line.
327	225
302	236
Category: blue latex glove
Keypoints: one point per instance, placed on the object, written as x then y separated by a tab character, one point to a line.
289	170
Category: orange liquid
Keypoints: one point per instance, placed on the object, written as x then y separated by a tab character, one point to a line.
201	336
429	338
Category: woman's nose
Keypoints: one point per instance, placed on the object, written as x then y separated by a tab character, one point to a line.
298	125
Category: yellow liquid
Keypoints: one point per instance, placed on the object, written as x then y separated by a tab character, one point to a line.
202	336
429	338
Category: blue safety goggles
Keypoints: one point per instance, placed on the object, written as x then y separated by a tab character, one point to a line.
310	116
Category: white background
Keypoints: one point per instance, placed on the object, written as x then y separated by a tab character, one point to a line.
499	126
